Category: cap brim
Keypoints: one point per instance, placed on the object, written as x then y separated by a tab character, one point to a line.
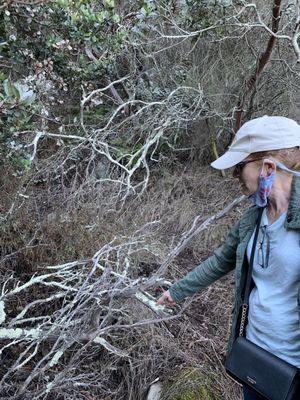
229	159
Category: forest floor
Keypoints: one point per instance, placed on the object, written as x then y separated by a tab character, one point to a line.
187	353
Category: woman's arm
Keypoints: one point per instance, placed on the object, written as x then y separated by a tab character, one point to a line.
219	264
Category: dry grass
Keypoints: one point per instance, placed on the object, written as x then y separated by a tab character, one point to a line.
41	232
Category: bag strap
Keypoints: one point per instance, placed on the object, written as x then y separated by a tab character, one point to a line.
245	305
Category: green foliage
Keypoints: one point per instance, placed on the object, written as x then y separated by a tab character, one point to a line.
17	92
21	162
59	47
16	103
63	31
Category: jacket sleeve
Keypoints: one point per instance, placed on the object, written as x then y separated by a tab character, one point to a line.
217	265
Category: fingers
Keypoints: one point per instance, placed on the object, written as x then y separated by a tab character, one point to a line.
165	298
160	301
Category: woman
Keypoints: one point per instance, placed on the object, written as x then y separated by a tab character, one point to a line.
265	155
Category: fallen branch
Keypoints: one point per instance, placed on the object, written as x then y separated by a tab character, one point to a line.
190	234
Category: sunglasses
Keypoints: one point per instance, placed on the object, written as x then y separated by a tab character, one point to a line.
263	247
239	167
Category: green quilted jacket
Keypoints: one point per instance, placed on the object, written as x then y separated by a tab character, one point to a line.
232	256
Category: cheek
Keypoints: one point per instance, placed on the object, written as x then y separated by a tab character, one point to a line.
249	179
245	176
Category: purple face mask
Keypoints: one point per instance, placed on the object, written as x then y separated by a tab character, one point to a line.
260	197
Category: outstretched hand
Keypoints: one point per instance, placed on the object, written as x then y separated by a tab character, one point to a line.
165	299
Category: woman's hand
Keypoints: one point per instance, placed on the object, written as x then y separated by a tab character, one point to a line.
165	299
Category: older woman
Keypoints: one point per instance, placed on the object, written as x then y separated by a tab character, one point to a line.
265	155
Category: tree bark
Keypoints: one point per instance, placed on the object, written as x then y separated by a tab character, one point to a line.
262	62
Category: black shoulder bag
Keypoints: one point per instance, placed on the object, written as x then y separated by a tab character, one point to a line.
254	367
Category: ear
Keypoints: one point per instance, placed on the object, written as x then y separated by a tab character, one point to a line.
268	167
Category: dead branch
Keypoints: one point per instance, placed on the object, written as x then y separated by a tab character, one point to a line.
261	64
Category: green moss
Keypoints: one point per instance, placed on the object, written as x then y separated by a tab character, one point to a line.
191	384
201	393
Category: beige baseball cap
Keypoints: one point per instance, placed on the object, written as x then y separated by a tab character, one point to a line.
260	134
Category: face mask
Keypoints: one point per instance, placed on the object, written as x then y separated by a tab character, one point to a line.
260	197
